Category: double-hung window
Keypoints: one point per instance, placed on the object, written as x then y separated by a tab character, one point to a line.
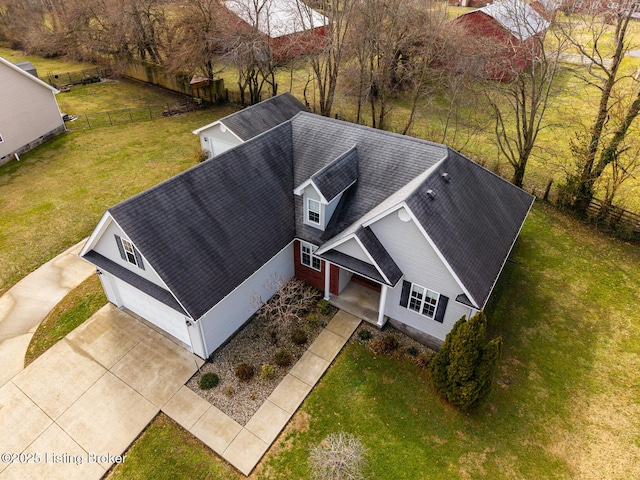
128	252
313	211
306	256
423	301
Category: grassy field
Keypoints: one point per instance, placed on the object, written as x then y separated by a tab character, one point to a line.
564	404
57	193
76	307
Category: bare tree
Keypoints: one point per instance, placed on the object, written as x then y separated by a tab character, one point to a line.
400	47
248	47
520	104
340	456
602	37
196	38
289	304
328	56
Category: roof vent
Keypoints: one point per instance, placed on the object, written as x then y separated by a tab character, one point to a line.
431	194
446	177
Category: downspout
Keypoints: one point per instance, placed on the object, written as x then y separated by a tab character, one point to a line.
382	305
327	280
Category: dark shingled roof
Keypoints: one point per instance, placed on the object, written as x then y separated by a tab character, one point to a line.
135	280
208	229
334	178
355	265
386	162
380	255
473	219
256	119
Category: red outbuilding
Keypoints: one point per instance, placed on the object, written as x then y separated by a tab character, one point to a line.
502	39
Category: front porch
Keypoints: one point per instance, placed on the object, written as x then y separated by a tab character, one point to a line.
360	301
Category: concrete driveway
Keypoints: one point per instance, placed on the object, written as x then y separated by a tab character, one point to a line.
25	305
75	410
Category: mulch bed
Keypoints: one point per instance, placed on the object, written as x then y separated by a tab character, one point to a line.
253	344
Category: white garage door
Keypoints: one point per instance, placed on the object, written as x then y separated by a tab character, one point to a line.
153	311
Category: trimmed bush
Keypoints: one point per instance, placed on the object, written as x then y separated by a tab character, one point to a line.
299	336
462	371
282	358
267	372
312	319
209	380
385	344
365	335
324	307
244	372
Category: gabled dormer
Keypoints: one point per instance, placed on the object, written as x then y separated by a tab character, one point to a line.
323	191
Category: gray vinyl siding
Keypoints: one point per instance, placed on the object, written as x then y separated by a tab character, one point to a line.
219	141
344	279
29	111
108	248
330	208
219	323
421	265
352	248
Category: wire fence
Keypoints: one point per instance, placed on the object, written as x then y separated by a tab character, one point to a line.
90	75
129	115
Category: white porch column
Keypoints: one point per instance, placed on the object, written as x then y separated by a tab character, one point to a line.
383	303
327	280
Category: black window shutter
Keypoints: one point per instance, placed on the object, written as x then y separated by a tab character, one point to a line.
120	247
442	307
404	296
138	258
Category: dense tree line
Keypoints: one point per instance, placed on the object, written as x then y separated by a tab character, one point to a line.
380	54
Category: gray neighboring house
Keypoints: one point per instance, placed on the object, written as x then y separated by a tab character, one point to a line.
237	128
424	229
30	114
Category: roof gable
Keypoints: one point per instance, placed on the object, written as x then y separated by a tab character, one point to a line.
339	175
256	119
25	74
473	217
222	219
516	17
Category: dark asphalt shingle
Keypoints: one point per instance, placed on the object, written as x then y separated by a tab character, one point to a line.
208	229
256	119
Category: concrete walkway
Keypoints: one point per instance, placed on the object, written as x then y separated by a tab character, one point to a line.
243	447
75	410
28	302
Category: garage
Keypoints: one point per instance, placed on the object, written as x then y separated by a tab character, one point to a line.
124	295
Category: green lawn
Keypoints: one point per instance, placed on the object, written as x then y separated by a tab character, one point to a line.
176	454
57	193
564	404
76	307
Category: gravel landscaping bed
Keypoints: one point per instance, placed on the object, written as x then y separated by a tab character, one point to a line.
254	345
